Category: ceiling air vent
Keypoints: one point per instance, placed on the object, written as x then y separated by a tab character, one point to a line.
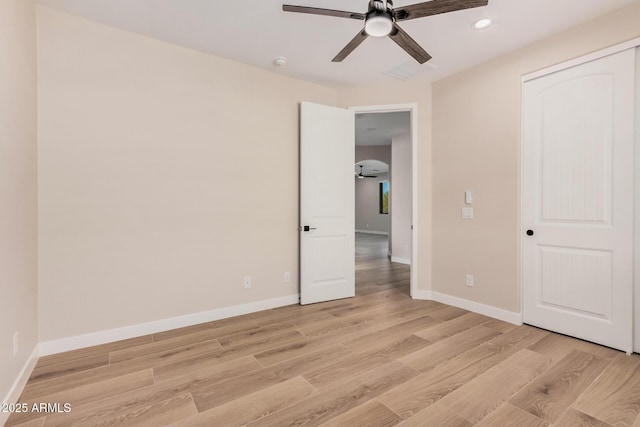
404	71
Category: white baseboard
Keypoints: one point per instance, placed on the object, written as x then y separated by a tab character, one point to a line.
400	260
16	389
420	294
381	233
111	335
476	307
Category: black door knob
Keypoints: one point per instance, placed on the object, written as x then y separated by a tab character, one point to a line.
529	232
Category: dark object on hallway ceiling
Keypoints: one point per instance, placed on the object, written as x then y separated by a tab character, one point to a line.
361	175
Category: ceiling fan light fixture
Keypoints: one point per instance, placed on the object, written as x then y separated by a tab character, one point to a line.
381	20
378	25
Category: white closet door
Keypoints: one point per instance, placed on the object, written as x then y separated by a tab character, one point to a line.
578	201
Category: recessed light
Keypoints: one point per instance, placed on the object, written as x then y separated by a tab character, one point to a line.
482	23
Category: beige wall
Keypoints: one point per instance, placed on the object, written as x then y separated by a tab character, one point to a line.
18	197
374	152
367	190
166	175
415	92
476	146
401	198
368	216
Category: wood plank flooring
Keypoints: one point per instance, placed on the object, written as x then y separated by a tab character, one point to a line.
379	359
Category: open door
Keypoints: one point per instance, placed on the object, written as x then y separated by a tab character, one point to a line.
327	187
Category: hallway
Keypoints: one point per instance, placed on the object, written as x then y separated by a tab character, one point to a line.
374	271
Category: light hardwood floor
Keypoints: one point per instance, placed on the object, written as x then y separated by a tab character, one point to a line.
379	359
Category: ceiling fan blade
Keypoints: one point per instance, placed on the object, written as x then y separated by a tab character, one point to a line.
350	47
405	41
325	12
436	7
370	176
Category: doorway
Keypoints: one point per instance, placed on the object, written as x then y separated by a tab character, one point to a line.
384	154
327	233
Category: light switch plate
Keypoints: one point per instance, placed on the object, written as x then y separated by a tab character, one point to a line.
467	213
467	198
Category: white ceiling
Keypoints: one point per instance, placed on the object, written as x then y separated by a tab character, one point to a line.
379	128
257	31
371	167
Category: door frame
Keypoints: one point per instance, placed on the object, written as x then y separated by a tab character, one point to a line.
412	108
636	219
630	44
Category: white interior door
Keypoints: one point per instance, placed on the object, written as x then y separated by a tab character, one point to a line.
578	201
327	208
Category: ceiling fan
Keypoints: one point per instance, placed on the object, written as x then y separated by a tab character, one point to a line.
382	20
361	175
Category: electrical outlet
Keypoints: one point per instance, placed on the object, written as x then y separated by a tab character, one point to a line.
247	282
469	280
15	343
287	277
